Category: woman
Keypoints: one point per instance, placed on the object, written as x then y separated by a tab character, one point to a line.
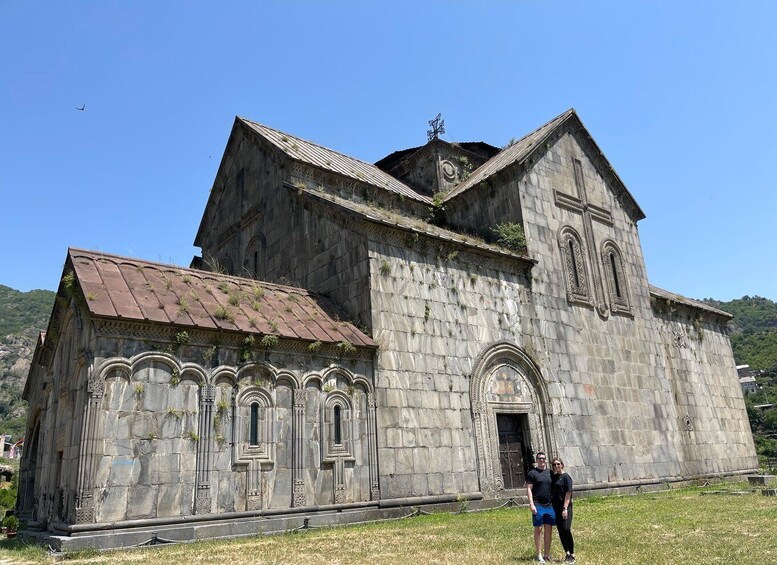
561	496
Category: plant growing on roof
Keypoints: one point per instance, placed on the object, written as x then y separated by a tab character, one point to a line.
510	235
183	305
247	348
222	313
224	287
346	348
436	212
315	347
269	341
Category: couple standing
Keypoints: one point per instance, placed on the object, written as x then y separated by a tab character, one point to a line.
550	500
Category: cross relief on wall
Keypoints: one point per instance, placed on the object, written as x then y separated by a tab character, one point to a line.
590	212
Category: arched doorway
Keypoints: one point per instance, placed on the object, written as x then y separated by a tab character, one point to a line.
510	411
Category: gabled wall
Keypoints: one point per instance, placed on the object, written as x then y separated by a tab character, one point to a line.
254	227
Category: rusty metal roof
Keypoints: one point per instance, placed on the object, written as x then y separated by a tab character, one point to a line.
323	158
132	289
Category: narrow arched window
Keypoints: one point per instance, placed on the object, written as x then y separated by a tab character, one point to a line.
575	271
256	263
615	275
573	263
338	428
615	280
253	426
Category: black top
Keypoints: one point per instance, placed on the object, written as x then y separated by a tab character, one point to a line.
562	484
540	482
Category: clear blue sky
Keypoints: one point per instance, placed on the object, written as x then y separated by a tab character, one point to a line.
680	97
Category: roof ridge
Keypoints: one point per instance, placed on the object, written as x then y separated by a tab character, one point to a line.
475	175
111	256
312	143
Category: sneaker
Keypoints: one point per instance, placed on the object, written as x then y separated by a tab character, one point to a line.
548	558
570	559
540	559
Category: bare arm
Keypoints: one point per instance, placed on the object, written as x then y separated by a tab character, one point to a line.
530	497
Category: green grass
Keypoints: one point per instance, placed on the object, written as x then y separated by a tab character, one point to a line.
690	525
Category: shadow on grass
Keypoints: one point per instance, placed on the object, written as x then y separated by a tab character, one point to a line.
22	548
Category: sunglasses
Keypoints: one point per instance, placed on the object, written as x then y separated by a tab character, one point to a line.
540	459
557	465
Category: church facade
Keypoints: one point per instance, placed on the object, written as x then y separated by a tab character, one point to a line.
359	336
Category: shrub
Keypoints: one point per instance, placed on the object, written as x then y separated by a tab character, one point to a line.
510	235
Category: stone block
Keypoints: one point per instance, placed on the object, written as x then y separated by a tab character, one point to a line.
141	501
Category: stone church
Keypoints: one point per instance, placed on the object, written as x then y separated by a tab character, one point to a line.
356	338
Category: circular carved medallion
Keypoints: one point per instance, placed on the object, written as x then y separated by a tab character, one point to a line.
448	171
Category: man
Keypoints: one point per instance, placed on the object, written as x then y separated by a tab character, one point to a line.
538	489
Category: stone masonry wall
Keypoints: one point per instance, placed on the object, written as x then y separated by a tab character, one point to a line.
435	311
617	416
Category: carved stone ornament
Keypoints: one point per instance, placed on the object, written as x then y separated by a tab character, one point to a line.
203	501
299	494
95	386
680	339
254	503
688	422
448	171
300	397
84	510
340	494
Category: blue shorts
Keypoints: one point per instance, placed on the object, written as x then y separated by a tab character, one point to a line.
544	515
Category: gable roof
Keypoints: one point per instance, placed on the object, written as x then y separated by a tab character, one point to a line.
519	151
317	156
396	220
131	289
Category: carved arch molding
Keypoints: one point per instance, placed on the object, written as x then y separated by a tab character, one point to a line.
505	380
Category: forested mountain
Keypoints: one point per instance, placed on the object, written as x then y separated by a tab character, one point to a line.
754	341
753	330
22	316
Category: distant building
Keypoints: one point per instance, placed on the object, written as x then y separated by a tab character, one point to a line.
746	380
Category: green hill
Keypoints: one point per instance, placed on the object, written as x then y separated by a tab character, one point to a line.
22	316
753	330
23	310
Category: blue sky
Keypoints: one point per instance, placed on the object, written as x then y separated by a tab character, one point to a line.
680	96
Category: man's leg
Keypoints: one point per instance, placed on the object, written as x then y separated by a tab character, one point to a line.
548	535
538	539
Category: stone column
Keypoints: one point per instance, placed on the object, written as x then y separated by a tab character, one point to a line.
372	447
87	456
298	452
203	501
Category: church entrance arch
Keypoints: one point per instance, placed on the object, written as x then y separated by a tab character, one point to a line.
512	420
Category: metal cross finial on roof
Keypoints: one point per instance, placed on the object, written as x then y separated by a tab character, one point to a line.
438	127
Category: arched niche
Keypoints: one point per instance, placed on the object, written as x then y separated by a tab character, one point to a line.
511	415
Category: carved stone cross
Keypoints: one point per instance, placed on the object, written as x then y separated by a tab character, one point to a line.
438	127
589	212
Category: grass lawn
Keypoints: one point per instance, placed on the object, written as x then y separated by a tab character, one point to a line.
692	525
